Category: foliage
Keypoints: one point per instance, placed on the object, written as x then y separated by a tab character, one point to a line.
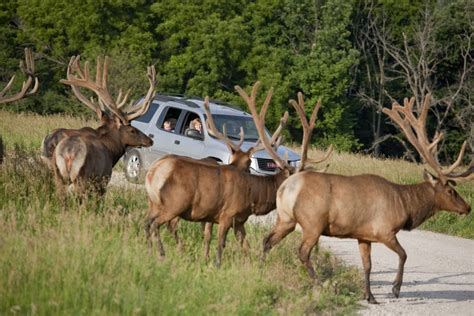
207	47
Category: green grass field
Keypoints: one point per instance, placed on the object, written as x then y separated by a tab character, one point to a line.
68	258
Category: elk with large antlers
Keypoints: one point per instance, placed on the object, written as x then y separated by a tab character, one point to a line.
208	193
367	207
85	160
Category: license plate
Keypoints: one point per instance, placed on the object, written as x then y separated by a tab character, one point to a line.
271	165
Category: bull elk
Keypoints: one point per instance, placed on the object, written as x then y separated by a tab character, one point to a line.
367	207
28	68
220	194
84	161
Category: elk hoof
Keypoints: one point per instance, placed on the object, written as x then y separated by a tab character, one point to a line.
371	299
396	291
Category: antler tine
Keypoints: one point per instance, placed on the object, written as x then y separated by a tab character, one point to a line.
74	65
276	135
145	103
8	86
29	71
458	160
415	131
215	131
307	130
259	119
463	176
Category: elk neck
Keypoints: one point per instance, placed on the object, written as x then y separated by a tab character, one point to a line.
263	190
111	140
418	203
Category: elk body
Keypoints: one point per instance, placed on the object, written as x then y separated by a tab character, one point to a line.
83	162
366	207
201	192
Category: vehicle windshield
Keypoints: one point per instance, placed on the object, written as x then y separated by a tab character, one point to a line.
233	124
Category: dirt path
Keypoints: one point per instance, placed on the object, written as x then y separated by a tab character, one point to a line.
438	278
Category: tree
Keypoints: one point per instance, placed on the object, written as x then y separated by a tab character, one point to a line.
411	63
325	72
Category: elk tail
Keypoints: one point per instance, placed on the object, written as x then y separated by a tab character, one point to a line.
70	156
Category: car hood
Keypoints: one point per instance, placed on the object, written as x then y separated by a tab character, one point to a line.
282	150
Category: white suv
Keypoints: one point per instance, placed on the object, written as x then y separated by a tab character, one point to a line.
181	140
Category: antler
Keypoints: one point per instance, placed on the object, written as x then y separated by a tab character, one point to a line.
259	119
308	130
100	88
415	131
219	135
29	70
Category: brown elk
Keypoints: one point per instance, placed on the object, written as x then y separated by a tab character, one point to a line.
84	162
220	194
367	207
106	120
28	68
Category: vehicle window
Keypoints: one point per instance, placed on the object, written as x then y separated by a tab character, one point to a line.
233	124
192	121
168	123
146	118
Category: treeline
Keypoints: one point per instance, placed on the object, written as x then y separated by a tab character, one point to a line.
356	56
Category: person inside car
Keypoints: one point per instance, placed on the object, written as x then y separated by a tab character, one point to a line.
169	125
196	124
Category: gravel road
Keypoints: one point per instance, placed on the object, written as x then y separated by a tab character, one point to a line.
438	278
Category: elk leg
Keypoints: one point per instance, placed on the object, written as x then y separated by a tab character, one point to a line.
310	239
224	226
394	245
240	234
173	228
365	249
280	231
207	230
154	224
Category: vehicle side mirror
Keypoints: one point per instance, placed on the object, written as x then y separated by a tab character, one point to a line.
194	134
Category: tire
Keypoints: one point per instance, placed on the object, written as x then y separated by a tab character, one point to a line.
134	171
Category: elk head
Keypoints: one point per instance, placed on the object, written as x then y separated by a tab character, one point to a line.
115	120
414	128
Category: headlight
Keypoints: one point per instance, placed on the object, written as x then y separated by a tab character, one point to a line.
295	163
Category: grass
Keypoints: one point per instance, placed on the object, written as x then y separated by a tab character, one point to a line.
70	258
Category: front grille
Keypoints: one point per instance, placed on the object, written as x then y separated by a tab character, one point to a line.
266	164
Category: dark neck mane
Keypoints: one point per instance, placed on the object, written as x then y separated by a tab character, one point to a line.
418	202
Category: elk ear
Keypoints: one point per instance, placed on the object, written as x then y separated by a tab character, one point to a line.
117	122
232	151
430	178
452	183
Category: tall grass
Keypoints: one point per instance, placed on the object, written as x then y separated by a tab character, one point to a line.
63	257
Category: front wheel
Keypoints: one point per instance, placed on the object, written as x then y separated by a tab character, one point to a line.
134	171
